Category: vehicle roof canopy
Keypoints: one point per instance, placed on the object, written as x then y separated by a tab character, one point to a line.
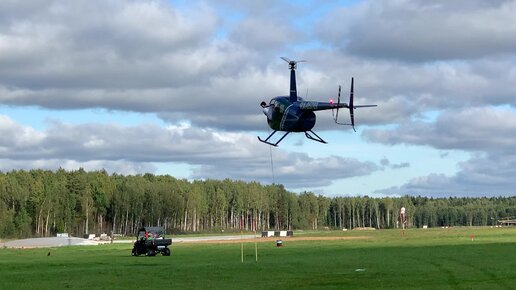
157	230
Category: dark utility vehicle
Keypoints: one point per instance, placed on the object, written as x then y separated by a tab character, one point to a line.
151	241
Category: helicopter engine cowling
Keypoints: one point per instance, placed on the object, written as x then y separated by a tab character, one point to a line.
297	120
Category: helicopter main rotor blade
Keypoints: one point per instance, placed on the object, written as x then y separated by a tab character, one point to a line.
292	61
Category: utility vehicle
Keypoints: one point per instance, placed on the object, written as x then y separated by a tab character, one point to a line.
150	241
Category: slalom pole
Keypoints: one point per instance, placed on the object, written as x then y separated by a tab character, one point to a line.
256	248
255	245
242	239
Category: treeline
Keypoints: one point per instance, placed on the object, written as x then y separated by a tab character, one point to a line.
42	203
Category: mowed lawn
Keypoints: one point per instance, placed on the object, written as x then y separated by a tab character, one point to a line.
431	259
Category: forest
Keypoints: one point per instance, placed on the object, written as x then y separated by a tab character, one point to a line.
40	203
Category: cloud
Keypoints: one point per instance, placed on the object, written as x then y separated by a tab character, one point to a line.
119	166
264	34
485	129
422	30
486	132
115	42
296	170
490	175
384	162
442	73
151	56
400	165
135	149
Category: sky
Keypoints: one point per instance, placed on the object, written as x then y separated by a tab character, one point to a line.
174	87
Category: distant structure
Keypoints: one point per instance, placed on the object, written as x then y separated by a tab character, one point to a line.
510	221
403	218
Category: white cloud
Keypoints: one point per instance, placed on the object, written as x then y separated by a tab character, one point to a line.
486	132
485	129
152	57
134	149
120	167
209	64
481	176
423	30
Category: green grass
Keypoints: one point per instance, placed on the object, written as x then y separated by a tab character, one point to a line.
431	259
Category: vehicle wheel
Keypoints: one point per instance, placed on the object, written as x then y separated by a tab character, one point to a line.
166	252
135	252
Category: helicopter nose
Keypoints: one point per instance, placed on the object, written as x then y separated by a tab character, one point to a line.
266	111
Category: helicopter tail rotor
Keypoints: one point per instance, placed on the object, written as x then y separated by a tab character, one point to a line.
351	106
335	112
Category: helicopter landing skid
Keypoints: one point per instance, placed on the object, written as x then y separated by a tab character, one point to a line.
273	144
316	138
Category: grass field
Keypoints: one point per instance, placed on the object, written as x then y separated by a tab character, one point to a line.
431	259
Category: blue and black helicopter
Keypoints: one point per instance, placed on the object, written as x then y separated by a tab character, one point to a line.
293	114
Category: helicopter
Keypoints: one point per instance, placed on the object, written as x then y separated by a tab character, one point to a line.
294	114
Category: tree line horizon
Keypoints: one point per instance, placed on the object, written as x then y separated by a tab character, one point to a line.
42	203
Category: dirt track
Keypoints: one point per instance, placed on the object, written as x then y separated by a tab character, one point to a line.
58	242
272	239
48	242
